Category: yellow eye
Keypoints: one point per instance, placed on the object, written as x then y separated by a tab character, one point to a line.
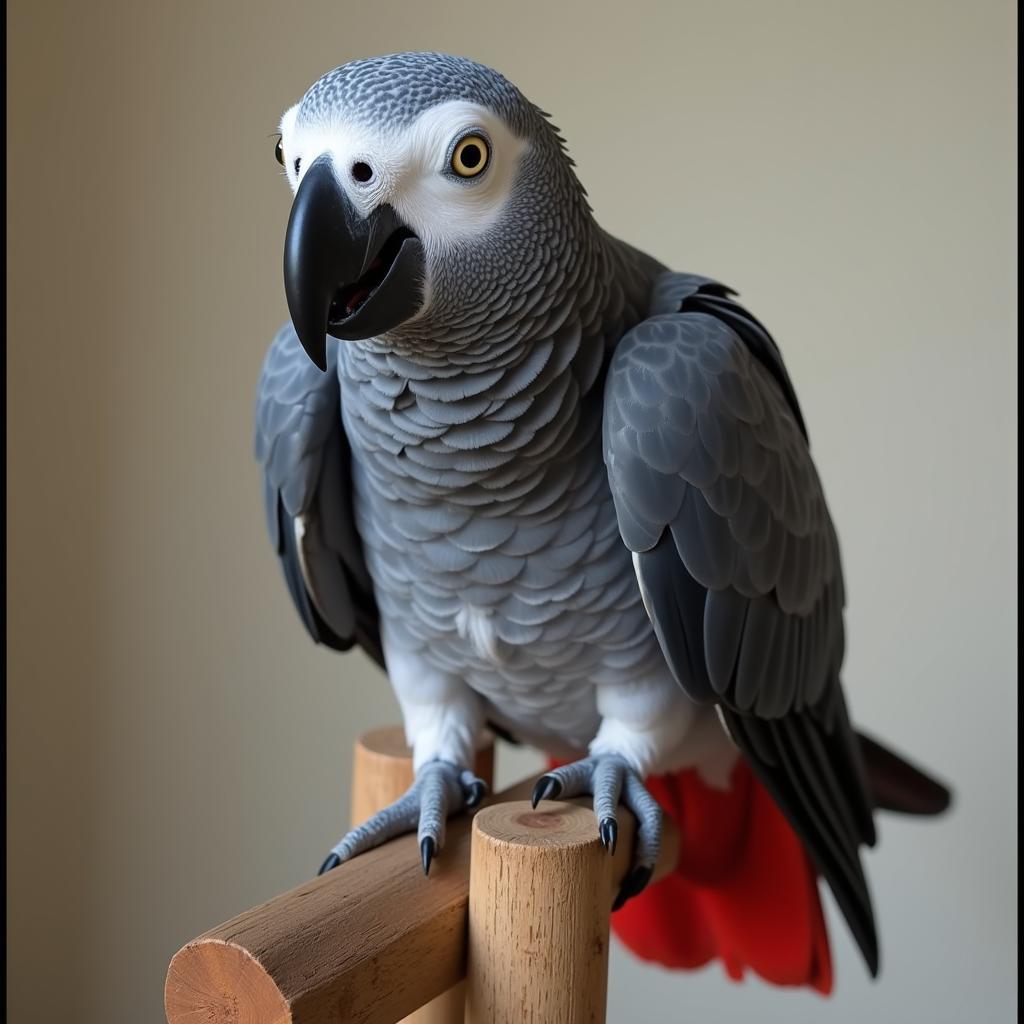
470	156
279	153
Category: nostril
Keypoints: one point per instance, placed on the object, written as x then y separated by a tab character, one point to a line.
362	171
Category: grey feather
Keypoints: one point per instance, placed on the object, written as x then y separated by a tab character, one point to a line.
304	454
747	599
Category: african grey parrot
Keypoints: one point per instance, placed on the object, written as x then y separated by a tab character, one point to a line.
548	484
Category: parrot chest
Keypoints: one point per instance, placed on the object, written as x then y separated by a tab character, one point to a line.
532	631
517	582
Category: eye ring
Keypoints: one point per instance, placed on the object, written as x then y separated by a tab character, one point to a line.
279	151
470	156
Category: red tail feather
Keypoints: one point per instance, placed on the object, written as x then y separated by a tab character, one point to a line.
743	891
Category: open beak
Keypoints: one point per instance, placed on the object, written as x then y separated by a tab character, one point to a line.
346	275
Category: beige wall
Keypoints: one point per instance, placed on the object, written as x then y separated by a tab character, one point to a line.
177	749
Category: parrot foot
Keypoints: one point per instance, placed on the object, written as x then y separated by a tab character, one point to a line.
609	779
440	788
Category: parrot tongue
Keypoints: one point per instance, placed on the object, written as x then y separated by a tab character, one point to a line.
349	299
356	299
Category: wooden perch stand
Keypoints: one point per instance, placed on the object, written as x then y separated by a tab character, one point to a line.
527	893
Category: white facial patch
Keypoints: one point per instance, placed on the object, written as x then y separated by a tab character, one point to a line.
434	204
410	168
288	140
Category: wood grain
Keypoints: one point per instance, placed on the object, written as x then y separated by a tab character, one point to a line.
381	773
540	894
367	943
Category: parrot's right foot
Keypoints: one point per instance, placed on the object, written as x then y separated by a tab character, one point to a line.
609	779
440	789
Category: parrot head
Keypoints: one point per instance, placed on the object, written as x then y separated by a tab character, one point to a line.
430	197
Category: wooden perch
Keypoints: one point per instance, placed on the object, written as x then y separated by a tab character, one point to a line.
367	943
539	894
381	773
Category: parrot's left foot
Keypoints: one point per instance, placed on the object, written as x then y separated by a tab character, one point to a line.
440	788
609	779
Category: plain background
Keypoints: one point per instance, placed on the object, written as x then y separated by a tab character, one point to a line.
178	750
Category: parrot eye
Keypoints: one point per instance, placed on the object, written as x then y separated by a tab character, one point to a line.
279	152
470	156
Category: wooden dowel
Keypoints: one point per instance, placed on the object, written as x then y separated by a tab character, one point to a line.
381	773
540	893
367	943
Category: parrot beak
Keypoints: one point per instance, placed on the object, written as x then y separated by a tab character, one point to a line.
346	275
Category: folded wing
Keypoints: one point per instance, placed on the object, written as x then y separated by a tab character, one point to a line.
738	562
305	457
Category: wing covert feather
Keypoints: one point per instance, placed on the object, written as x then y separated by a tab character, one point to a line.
737	558
304	453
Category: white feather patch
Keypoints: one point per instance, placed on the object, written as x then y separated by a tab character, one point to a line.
474	625
640	584
409	167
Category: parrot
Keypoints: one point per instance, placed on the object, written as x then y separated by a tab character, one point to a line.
560	491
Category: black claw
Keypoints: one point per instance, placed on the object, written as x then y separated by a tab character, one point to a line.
633	884
477	791
609	834
333	860
427	851
547	788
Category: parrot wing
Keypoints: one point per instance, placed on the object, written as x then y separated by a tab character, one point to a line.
305	456
738	562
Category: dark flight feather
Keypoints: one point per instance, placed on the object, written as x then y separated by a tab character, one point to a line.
302	448
739	564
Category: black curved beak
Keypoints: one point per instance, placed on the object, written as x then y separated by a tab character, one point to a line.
346	275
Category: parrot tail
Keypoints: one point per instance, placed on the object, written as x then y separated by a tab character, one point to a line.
744	890
896	785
